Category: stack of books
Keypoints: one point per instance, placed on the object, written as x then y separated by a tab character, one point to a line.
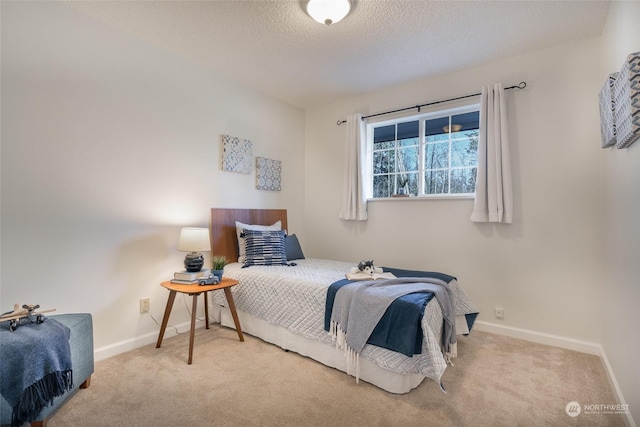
189	277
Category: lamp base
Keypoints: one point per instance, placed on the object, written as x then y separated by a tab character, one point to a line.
193	262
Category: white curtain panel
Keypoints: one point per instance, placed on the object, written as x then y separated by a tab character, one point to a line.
354	201
494	196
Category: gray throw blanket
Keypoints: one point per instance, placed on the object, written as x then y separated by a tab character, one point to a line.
359	306
35	367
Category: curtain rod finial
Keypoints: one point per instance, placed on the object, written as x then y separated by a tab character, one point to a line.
339	122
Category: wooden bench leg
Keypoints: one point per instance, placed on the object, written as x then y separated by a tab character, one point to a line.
86	383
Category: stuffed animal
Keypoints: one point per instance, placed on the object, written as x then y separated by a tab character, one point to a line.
366	267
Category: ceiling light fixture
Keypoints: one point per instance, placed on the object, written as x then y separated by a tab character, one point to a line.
328	11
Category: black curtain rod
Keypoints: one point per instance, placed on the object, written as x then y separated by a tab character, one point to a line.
521	85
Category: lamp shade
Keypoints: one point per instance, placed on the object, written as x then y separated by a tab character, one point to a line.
194	239
328	11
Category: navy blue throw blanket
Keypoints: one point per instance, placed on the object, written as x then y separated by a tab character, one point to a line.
35	367
400	327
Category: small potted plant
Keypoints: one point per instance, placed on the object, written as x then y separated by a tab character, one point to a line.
218	263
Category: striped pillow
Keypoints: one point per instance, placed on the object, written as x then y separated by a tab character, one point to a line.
240	227
264	247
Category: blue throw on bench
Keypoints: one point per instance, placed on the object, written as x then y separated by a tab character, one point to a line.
35	367
400	327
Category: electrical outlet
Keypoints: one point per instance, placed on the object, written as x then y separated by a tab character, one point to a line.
499	313
145	305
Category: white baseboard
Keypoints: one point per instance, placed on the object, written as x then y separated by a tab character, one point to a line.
561	342
150	338
539	337
628	419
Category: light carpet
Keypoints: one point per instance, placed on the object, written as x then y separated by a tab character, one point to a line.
496	381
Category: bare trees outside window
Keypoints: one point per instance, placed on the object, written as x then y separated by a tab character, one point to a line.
435	154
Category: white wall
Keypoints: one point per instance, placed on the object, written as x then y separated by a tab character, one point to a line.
544	270
109	146
622	231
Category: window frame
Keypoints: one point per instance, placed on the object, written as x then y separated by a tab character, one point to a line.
421	118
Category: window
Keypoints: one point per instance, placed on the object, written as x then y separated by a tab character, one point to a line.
434	154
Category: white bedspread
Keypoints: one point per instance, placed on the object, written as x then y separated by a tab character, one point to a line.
294	298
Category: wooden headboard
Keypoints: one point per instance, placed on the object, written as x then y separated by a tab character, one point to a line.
224	240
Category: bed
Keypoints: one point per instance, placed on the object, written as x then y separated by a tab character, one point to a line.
285	305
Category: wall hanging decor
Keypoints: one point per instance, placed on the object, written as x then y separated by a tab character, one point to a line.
627	102
235	154
607	112
268	174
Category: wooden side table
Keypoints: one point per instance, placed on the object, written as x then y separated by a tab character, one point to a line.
196	290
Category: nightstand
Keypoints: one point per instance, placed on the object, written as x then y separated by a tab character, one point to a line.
195	290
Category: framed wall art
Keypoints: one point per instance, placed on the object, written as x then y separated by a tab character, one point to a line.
268	174
235	154
627	102
607	112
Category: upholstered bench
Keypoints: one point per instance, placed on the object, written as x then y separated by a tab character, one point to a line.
81	343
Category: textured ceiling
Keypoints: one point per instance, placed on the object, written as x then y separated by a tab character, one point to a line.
276	48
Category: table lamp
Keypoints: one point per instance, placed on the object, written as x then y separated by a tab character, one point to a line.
194	240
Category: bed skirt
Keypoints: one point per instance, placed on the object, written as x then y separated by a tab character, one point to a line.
392	382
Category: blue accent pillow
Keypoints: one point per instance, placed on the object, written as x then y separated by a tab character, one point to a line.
292	248
265	247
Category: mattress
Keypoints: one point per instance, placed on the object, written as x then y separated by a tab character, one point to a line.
293	298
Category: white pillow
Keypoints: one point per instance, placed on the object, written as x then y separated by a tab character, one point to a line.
242	246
